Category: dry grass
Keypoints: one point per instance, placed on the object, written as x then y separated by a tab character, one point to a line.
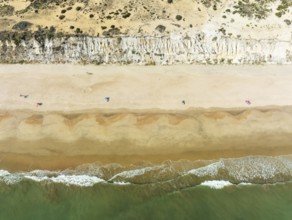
108	18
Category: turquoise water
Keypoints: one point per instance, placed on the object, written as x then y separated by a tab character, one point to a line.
174	190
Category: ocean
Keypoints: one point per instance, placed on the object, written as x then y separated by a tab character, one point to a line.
256	187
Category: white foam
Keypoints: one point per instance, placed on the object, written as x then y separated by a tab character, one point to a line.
216	184
133	173
248	168
78	180
59	177
8	178
245	184
4	173
44	172
51	176
240	170
122	183
37	178
209	170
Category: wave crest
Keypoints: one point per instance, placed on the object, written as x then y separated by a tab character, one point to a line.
171	174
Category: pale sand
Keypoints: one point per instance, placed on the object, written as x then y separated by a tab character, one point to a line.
145	118
71	88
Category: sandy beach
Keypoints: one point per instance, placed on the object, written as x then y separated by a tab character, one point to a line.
74	87
57	116
160	109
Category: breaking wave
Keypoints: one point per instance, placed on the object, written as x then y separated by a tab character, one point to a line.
172	175
216	184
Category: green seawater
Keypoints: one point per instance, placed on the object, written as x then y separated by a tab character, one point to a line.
29	200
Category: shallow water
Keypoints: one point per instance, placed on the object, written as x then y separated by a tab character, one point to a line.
243	188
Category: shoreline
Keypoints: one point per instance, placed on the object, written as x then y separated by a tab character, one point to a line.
13	162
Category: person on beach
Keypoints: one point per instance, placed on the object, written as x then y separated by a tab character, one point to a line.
24	96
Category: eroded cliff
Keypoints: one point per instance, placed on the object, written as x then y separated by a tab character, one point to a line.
170	49
146	32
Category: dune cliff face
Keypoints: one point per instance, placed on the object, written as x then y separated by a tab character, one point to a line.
172	49
146	32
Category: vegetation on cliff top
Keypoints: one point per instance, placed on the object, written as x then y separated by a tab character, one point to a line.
109	18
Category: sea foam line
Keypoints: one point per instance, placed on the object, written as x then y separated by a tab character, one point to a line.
77	180
216	184
127	174
56	177
4	173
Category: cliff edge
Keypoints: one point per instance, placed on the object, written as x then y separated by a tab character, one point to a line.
152	32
